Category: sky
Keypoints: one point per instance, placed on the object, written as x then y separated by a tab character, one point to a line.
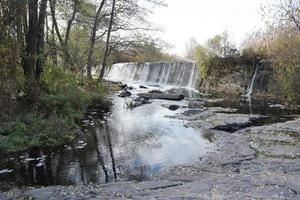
202	19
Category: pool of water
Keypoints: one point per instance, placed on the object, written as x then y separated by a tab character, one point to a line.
123	145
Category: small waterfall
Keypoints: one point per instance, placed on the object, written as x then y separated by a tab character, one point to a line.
251	86
183	74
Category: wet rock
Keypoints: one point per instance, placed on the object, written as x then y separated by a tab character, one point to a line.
125	93
156	92
155	85
123	86
172	97
195	104
232	127
140	101
143	87
130	88
192	112
174	107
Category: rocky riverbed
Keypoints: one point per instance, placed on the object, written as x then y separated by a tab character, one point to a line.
250	160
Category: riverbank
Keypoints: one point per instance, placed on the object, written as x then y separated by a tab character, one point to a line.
52	121
259	162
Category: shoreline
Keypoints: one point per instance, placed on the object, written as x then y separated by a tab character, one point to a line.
236	169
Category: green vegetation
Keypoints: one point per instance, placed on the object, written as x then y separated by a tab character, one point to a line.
52	120
212	58
48	51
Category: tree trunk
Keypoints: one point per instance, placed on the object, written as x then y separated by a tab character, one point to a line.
64	42
108	40
54	21
31	84
41	39
90	63
53	43
68	31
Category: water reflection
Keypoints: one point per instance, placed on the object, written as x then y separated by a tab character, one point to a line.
128	145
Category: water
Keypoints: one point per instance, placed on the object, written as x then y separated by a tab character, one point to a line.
251	86
184	74
124	145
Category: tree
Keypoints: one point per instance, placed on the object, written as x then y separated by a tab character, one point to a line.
64	42
41	39
190	48
30	61
106	52
221	45
90	62
286	13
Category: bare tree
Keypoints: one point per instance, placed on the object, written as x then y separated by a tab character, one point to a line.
106	52
64	42
286	13
90	62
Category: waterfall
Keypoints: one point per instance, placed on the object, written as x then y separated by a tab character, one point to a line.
182	74
250	88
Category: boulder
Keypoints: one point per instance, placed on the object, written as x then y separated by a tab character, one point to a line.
143	87
173	97
130	88
125	93
124	86
139	101
174	107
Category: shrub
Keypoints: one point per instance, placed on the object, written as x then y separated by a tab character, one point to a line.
285	53
33	130
52	122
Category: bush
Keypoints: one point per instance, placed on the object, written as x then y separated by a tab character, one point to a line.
33	130
285	52
212	67
52	122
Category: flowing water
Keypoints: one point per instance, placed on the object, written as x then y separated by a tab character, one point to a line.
251	86
180	74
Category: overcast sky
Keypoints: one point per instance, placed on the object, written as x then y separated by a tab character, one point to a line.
203	19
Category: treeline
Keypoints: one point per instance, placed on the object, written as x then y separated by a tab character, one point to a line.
74	34
48	51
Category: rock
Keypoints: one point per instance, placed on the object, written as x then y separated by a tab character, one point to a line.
125	93
174	107
123	86
140	101
130	88
232	127
143	87
173	97
155	85
193	112
156	92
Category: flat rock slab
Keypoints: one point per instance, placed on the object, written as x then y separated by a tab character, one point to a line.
172	97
